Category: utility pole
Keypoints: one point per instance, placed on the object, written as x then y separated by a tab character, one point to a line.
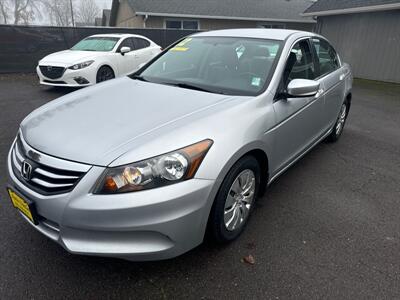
72	14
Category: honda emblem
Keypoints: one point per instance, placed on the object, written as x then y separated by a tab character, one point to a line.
26	170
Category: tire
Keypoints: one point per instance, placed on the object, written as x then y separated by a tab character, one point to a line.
237	205
338	128
104	73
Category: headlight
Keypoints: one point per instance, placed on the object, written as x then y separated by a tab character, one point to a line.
81	65
155	172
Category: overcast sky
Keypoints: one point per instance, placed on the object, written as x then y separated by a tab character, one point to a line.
104	3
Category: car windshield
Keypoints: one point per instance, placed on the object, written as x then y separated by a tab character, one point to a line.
104	44
225	65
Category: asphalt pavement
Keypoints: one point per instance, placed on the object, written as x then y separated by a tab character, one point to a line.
328	228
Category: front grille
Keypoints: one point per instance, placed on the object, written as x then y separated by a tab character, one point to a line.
52	72
44	179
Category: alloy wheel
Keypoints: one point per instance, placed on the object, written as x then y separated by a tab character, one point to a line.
239	200
105	74
341	119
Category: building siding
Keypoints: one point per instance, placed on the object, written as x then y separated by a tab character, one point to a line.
369	42
126	16
213	24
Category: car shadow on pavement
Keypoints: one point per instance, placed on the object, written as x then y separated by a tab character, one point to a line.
59	90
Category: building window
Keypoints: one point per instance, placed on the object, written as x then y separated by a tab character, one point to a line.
273	26
182	24
170	24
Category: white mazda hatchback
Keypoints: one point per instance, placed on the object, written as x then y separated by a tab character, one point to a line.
95	59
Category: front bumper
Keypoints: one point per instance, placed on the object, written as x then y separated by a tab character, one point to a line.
148	225
70	77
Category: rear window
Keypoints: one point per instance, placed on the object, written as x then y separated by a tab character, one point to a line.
327	57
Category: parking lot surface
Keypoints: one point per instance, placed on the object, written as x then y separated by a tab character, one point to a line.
328	228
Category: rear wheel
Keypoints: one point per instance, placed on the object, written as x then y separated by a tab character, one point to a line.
340	122
235	200
104	73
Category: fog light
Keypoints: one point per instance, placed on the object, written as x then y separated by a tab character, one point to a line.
81	80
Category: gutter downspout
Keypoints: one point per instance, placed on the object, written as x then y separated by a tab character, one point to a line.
144	20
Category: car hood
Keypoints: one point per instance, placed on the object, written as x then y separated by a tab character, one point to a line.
95	124
69	57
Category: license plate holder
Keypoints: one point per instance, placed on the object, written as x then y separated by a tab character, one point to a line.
25	206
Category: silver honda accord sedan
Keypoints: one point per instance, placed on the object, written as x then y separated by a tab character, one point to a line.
142	167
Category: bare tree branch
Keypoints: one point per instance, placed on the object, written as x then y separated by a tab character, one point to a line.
87	11
59	12
4	12
19	11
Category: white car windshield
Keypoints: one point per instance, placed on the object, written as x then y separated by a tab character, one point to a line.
226	65
104	44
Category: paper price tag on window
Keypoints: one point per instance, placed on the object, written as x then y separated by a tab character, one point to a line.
181	46
256	81
180	49
184	42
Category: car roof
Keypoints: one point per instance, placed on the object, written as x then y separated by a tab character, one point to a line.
117	35
259	33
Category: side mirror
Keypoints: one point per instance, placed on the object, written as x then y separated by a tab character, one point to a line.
302	88
125	50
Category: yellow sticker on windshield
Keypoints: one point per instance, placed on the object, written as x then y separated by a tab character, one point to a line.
181	49
181	46
184	42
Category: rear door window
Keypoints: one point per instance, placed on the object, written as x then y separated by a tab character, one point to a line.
327	57
141	43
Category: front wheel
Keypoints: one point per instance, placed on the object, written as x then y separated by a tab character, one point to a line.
104	73
235	200
340	122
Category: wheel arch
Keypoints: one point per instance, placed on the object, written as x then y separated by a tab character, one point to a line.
348	98
260	155
262	159
102	65
258	151
106	65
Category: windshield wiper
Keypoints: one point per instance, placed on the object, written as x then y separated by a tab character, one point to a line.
141	78
179	84
194	87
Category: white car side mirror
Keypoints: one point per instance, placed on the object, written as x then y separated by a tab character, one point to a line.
125	50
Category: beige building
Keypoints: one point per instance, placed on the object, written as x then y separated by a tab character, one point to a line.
211	14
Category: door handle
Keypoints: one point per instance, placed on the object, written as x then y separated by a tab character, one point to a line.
342	76
319	93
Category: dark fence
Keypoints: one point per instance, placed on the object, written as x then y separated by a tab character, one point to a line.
21	47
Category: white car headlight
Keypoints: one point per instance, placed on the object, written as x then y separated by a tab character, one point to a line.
81	65
155	172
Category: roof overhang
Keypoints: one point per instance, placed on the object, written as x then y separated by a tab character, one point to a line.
141	13
354	10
